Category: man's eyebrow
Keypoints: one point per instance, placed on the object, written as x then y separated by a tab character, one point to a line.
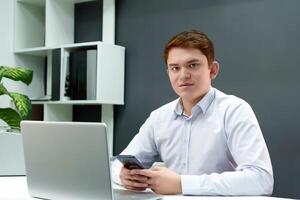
173	65
193	60
188	62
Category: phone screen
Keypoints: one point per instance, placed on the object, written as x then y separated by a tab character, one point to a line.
130	162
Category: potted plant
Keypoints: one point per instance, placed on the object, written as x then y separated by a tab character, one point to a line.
13	116
11	149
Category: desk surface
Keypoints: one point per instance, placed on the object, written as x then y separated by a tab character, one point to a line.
15	188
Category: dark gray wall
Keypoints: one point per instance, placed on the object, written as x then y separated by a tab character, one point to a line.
257	44
88	21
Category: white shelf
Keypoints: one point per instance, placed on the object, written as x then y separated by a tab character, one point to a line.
39	3
29	24
59	27
73	102
36	51
41	23
42	51
81	45
42	26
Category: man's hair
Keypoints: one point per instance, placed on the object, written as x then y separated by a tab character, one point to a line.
191	39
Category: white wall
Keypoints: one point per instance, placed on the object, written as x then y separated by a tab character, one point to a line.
11	156
6	39
7	47
6	32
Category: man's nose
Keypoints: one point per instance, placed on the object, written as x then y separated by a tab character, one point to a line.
184	73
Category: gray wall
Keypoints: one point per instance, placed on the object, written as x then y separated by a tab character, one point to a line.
257	45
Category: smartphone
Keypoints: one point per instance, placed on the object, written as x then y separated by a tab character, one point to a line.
130	162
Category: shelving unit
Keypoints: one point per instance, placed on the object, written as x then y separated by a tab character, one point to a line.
29	24
110	70
44	26
40	23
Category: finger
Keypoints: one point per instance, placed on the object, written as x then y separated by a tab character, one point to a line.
138	178
134	188
153	190
157	168
134	184
151	183
135	171
127	174
125	171
124	176
146	172
133	177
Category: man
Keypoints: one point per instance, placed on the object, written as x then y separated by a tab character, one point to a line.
210	142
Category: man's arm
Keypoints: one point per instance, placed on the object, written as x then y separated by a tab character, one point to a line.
143	147
253	175
244	182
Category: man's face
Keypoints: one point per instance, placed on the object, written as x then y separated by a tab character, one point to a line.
189	73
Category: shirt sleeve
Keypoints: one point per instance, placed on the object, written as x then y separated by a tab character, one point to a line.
253	173
142	146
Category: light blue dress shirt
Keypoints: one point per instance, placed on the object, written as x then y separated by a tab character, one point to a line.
218	150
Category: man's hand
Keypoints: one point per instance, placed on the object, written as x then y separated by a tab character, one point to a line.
132	180
161	180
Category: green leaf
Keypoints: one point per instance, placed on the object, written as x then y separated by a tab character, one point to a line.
22	103
3	90
17	74
10	116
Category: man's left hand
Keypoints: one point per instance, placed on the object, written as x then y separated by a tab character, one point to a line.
162	180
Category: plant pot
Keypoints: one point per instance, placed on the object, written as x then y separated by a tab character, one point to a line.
11	154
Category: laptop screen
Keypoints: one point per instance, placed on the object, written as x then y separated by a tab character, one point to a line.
66	160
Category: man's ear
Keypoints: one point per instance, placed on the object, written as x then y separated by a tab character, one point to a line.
214	70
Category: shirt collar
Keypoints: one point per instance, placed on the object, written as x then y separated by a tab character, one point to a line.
178	108
203	104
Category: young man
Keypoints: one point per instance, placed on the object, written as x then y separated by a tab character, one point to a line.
210	142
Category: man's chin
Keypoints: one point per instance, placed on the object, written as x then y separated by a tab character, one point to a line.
191	97
186	97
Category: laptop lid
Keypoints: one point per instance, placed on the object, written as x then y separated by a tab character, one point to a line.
66	160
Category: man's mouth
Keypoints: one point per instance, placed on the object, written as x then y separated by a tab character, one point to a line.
185	84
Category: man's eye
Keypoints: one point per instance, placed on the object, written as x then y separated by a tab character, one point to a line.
194	65
175	68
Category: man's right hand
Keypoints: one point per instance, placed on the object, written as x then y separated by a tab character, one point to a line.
132	181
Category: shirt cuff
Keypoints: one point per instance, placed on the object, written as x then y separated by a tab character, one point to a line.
115	171
192	185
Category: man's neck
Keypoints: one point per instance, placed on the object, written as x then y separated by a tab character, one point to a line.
187	109
188	104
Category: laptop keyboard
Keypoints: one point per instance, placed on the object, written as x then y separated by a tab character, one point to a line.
120	194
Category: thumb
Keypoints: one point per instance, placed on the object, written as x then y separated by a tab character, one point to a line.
157	168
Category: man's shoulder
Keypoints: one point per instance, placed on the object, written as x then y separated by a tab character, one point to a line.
226	100
166	109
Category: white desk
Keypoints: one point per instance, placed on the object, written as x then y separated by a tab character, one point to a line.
15	188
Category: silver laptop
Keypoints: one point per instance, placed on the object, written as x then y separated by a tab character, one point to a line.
70	161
